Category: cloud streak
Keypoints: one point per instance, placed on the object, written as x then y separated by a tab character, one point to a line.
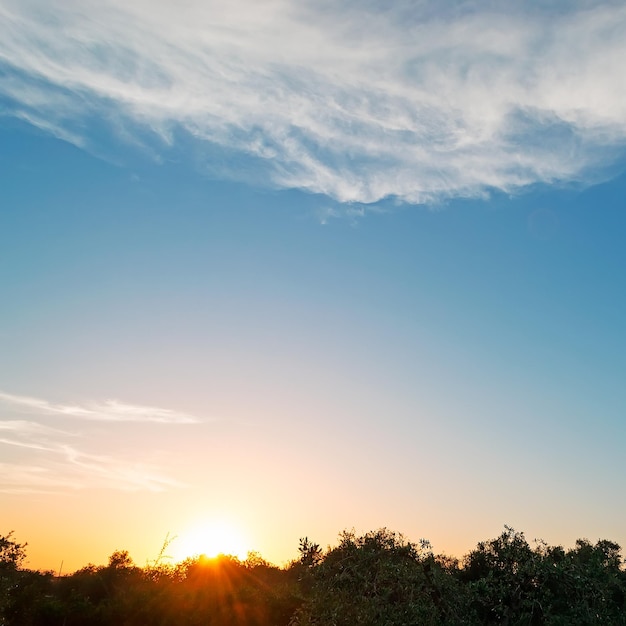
108	411
414	100
76	471
50	459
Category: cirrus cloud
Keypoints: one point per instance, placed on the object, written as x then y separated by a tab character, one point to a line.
51	459
107	411
358	101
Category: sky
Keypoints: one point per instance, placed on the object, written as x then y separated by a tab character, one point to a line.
287	268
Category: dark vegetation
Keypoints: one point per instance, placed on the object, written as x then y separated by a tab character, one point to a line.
377	579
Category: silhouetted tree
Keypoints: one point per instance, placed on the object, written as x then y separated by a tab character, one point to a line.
12	554
377	579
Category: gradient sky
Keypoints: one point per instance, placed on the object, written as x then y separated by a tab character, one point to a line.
297	267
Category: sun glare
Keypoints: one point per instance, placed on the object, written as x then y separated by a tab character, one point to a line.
210	539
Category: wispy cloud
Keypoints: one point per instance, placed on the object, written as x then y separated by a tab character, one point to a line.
50	459
356	100
108	411
18	478
78	471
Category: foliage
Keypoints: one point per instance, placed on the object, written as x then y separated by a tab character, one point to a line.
377	579
12	555
512	583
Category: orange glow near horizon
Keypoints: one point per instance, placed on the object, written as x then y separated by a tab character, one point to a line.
210	539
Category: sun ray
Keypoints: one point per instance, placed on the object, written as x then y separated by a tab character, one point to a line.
210	539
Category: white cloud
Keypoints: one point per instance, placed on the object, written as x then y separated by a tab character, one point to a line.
48	458
108	411
80	471
348	99
109	472
31	435
30	428
26	479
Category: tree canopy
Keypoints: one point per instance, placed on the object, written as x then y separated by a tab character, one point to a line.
375	579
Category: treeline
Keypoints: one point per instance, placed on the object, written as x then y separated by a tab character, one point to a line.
377	579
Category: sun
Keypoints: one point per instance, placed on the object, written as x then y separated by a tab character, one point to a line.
210	539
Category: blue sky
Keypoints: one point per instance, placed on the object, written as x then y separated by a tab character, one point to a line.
308	269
